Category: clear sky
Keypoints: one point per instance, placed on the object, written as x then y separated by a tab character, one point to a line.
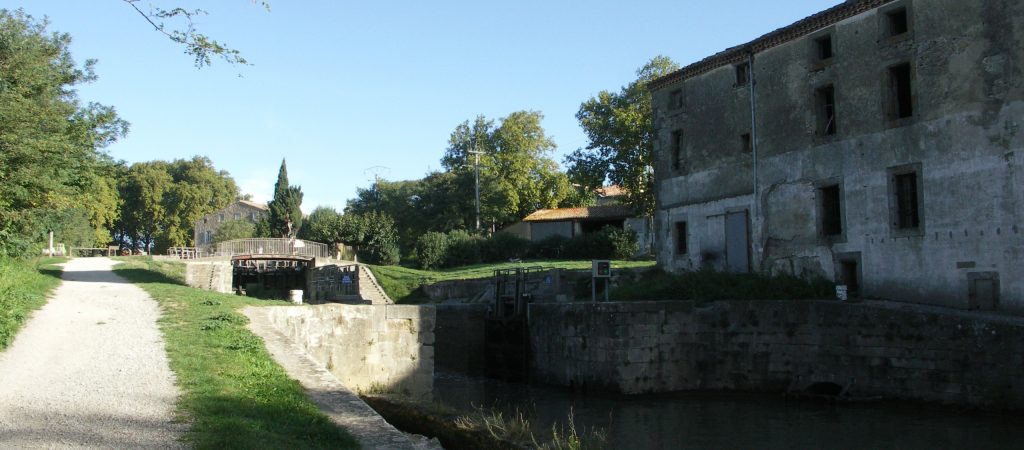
345	90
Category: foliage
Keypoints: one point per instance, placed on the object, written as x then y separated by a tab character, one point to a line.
50	143
234	229
517	175
322	225
200	46
619	128
608	243
233	393
24	285
624	243
402	283
161	201
431	250
285	217
710	285
374	236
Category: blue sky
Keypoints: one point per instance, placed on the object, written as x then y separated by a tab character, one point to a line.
340	88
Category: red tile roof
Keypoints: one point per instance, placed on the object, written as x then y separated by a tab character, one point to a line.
591	212
611	191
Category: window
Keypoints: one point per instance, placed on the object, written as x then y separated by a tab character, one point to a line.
675	99
823	47
905	199
897	22
745	143
220	218
831	216
677	150
681	238
255	217
238	216
826	109
742	74
900	93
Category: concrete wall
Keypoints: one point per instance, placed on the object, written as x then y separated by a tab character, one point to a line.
213	276
963	140
368	347
878	348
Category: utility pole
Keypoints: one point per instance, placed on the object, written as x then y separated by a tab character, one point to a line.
476	166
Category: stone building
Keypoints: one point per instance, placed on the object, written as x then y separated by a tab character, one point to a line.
877	143
207	226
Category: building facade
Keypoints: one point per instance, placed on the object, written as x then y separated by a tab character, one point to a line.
207	226
877	143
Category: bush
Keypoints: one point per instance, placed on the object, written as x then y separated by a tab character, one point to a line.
432	250
550	247
463	248
710	285
624	243
503	247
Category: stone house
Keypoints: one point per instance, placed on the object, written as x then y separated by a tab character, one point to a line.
207	225
877	144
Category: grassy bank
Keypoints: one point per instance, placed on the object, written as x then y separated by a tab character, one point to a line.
402	283
233	393
24	285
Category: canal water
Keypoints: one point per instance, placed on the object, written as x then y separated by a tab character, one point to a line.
736	421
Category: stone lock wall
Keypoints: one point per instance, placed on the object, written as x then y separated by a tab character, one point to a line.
368	347
213	276
895	351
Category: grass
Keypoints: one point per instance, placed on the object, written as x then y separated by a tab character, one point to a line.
233	393
709	285
402	283
24	286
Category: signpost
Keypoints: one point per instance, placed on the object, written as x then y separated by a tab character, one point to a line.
600	269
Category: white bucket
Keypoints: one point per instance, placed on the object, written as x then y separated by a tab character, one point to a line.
295	296
841	292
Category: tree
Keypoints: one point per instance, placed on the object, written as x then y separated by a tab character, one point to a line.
322	225
234	229
517	175
619	128
374	236
285	218
199	45
50	144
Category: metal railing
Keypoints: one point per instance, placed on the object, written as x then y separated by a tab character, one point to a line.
273	246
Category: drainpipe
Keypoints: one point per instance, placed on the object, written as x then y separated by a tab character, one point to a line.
755	210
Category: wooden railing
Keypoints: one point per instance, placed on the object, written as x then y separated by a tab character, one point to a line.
272	246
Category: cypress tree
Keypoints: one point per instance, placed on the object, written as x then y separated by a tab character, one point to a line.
285	207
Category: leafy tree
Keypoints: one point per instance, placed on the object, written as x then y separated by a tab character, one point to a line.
374	236
200	46
234	229
285	218
50	143
322	225
517	175
619	128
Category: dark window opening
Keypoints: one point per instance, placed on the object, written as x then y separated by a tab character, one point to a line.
826	99
677	150
745	142
905	189
681	238
848	276
901	96
675	99
823	45
897	21
742	74
831	211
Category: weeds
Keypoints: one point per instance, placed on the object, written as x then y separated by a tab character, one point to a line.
24	286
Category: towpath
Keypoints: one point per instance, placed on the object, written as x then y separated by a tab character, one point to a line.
89	370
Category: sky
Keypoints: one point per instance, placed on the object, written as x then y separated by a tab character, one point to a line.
346	91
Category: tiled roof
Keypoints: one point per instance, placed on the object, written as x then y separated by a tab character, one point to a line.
590	212
778	37
611	191
253	204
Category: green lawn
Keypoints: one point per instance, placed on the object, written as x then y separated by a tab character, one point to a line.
24	286
402	283
233	393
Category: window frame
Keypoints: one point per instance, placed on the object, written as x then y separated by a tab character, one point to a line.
676	148
824	211
826	127
682	245
897	200
895	94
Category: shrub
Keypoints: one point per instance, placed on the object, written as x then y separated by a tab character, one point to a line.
504	246
624	243
463	248
432	250
551	247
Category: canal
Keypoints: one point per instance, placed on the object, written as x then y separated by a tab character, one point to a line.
741	421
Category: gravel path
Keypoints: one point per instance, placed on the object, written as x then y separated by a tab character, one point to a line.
89	370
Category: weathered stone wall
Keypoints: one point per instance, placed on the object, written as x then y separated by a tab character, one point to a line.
368	347
213	276
459	338
877	348
963	141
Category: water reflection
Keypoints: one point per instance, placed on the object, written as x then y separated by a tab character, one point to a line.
699	421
